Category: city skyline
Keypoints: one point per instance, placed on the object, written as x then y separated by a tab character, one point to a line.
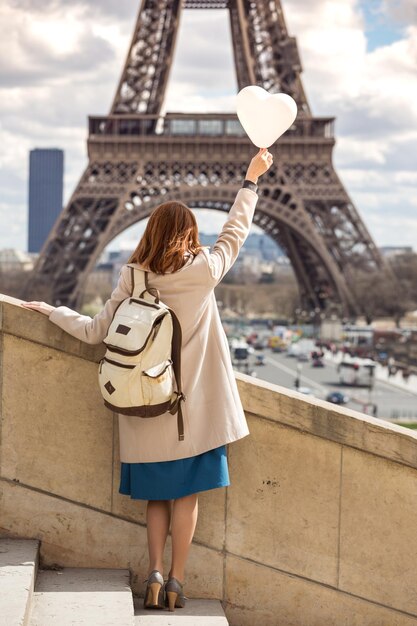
359	63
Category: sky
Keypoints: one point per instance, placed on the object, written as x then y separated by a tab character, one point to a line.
61	60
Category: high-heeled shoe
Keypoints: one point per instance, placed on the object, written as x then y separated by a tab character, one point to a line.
154	593
174	596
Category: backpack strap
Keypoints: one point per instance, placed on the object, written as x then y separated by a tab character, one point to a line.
176	357
141	285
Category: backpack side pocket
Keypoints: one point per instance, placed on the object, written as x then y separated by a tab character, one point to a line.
158	382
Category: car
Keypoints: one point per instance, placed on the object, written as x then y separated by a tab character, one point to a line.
337	397
277	344
260	359
317	363
305	390
317	354
241	353
303	357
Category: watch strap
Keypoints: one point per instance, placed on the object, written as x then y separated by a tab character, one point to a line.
250	185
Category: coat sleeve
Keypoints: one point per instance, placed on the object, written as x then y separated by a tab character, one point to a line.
233	235
93	330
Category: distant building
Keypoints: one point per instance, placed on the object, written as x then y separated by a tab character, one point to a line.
119	258
259	246
259	257
46	175
390	251
246	264
100	279
12	260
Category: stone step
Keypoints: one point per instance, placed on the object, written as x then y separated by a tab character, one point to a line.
196	612
18	567
82	597
69	596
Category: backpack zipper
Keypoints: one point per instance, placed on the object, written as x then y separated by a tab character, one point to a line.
132	366
145	303
131	352
116	363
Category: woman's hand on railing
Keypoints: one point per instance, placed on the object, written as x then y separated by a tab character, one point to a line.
259	164
42	307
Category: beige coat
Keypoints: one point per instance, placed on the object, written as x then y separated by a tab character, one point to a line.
213	413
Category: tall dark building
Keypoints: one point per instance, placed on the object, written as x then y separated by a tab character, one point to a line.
46	176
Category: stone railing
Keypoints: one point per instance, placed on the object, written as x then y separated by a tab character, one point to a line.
316	528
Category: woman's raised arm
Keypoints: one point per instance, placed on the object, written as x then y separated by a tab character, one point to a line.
239	220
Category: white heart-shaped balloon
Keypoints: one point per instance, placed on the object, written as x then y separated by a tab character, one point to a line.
264	116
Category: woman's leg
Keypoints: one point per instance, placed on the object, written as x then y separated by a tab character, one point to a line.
158	514
183	523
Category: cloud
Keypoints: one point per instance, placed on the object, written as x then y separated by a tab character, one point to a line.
208	68
404	11
372	95
50	81
120	9
46	46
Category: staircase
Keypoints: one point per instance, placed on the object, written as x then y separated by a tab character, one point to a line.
73	596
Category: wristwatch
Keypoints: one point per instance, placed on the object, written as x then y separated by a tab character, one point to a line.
250	185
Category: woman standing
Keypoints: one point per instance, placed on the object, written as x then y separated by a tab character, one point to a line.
155	465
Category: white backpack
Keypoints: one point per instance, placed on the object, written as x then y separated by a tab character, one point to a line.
143	356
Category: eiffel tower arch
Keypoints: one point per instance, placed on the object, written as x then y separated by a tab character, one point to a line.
139	158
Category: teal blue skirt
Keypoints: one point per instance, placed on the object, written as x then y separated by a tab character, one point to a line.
167	480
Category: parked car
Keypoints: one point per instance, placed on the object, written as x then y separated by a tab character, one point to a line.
305	390
260	344
302	357
317	354
317	363
260	359
277	344
337	397
241	354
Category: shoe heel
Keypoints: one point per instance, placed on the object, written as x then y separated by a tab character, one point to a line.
155	588
172	597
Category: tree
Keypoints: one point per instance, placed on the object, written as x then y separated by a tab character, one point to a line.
380	294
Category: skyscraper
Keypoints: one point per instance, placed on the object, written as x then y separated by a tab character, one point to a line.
46	174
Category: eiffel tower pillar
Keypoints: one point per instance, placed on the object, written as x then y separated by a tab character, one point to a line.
138	159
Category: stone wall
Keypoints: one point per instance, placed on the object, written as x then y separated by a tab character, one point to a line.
316	528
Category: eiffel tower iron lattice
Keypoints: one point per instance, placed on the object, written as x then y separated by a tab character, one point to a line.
139	158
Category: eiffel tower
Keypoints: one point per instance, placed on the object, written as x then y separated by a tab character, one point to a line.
139	158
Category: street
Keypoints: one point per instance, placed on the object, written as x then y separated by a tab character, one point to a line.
280	369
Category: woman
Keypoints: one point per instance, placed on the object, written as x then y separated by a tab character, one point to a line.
155	465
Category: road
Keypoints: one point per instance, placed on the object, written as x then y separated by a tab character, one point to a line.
282	370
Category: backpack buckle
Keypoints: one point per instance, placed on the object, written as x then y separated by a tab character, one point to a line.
174	406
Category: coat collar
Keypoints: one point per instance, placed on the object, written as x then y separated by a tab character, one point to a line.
189	259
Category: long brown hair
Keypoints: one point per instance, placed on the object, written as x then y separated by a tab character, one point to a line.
171	231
